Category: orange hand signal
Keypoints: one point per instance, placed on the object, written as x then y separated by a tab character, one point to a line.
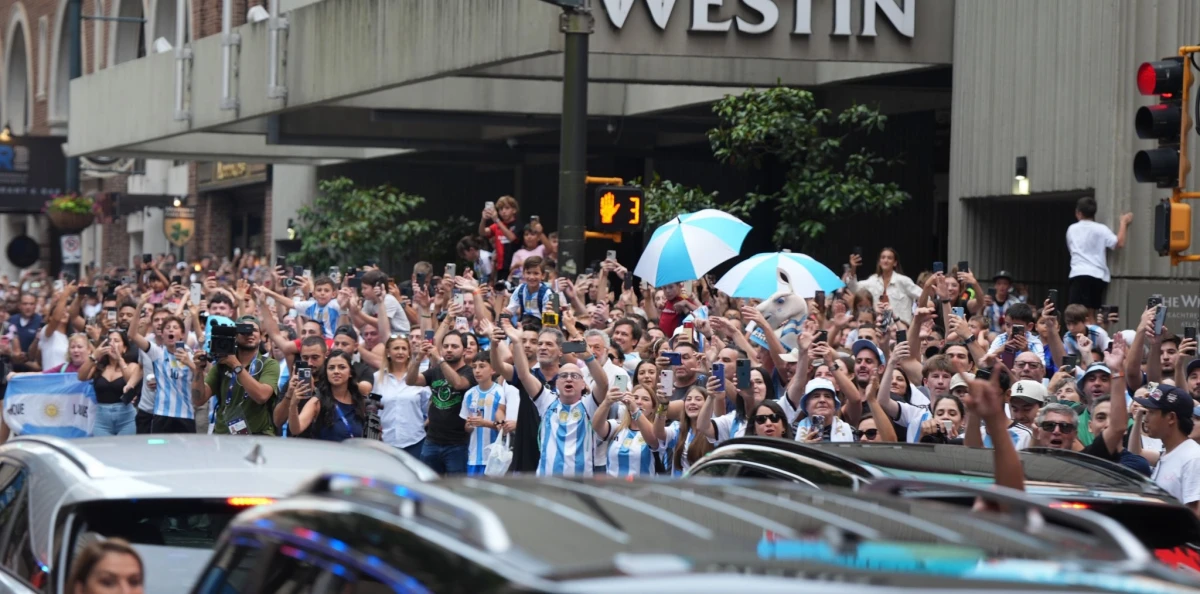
608	208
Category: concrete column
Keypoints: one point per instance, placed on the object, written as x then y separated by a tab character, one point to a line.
292	186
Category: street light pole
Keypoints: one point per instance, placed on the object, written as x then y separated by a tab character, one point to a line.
75	30
75	70
577	24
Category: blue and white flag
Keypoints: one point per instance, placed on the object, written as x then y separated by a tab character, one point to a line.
50	404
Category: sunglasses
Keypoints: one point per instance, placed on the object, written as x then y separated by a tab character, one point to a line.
1048	426
869	433
570	375
760	419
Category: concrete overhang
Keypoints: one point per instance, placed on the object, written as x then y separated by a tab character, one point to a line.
425	57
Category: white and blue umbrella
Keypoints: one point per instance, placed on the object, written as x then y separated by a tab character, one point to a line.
758	276
689	246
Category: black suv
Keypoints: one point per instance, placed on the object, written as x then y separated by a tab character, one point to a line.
355	535
1074	481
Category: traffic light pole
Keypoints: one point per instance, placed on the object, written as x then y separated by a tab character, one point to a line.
577	24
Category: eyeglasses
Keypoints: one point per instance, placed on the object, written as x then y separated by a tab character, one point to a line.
760	419
869	433
570	375
1048	426
1030	364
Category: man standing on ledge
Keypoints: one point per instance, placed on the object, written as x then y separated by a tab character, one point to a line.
1089	242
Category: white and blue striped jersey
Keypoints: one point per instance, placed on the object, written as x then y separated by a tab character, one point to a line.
668	454
328	315
729	426
173	398
912	417
565	436
628	452
1020	435
485	403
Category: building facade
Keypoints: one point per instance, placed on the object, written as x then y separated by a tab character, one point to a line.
459	100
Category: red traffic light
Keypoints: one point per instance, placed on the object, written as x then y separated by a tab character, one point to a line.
1163	77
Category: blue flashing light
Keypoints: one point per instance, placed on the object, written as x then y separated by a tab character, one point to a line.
337	545
155	441
264	523
338	570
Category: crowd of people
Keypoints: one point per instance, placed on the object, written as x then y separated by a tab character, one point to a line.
600	373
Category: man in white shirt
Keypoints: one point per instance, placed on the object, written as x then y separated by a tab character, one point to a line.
1089	242
1169	418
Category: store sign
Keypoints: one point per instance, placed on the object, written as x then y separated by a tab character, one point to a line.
223	176
179	225
757	17
1181	299
32	170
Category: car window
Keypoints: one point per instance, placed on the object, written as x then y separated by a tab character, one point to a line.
12	481
19	559
714	469
755	472
291	570
231	568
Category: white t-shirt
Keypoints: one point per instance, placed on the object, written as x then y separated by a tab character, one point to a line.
398	320
1089	242
1178	472
54	349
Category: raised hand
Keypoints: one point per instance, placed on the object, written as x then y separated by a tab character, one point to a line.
608	208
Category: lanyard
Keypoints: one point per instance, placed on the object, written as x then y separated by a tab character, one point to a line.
342	416
255	366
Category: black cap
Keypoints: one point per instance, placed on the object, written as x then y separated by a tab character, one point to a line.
1168	399
1002	274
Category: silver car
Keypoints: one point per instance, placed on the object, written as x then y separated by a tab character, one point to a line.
169	495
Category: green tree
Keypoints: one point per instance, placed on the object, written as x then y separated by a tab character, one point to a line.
348	225
665	200
825	180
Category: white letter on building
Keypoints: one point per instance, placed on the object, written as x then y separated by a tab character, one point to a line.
841	17
803	17
618	11
700	20
903	19
770	16
660	11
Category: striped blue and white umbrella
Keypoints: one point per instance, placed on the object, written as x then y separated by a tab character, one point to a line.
689	246
758	276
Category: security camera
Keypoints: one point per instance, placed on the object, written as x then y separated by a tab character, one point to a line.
257	14
162	46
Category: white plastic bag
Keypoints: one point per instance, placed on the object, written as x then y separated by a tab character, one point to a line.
497	457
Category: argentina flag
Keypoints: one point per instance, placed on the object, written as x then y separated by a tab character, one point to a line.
50	404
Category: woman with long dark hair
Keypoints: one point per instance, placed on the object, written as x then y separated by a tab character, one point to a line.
111	379
888	284
769	420
338	411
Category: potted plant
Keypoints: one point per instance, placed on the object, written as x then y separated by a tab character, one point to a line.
70	212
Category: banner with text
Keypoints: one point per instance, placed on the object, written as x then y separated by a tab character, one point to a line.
50	404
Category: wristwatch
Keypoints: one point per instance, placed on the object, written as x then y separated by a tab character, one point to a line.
238	370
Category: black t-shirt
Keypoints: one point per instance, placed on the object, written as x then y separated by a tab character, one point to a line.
363	373
445	426
1099	449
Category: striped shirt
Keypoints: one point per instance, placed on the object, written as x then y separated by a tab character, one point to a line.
668	454
327	315
485	403
729	426
1020	435
628	453
565	437
173	398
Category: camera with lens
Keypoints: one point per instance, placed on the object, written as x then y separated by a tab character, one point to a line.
222	342
289	282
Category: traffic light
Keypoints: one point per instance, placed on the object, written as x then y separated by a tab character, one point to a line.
1172	227
1162	122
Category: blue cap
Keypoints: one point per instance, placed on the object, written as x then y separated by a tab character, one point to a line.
863	343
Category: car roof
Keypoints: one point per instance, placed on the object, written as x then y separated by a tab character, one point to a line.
554	529
1047	471
67	472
